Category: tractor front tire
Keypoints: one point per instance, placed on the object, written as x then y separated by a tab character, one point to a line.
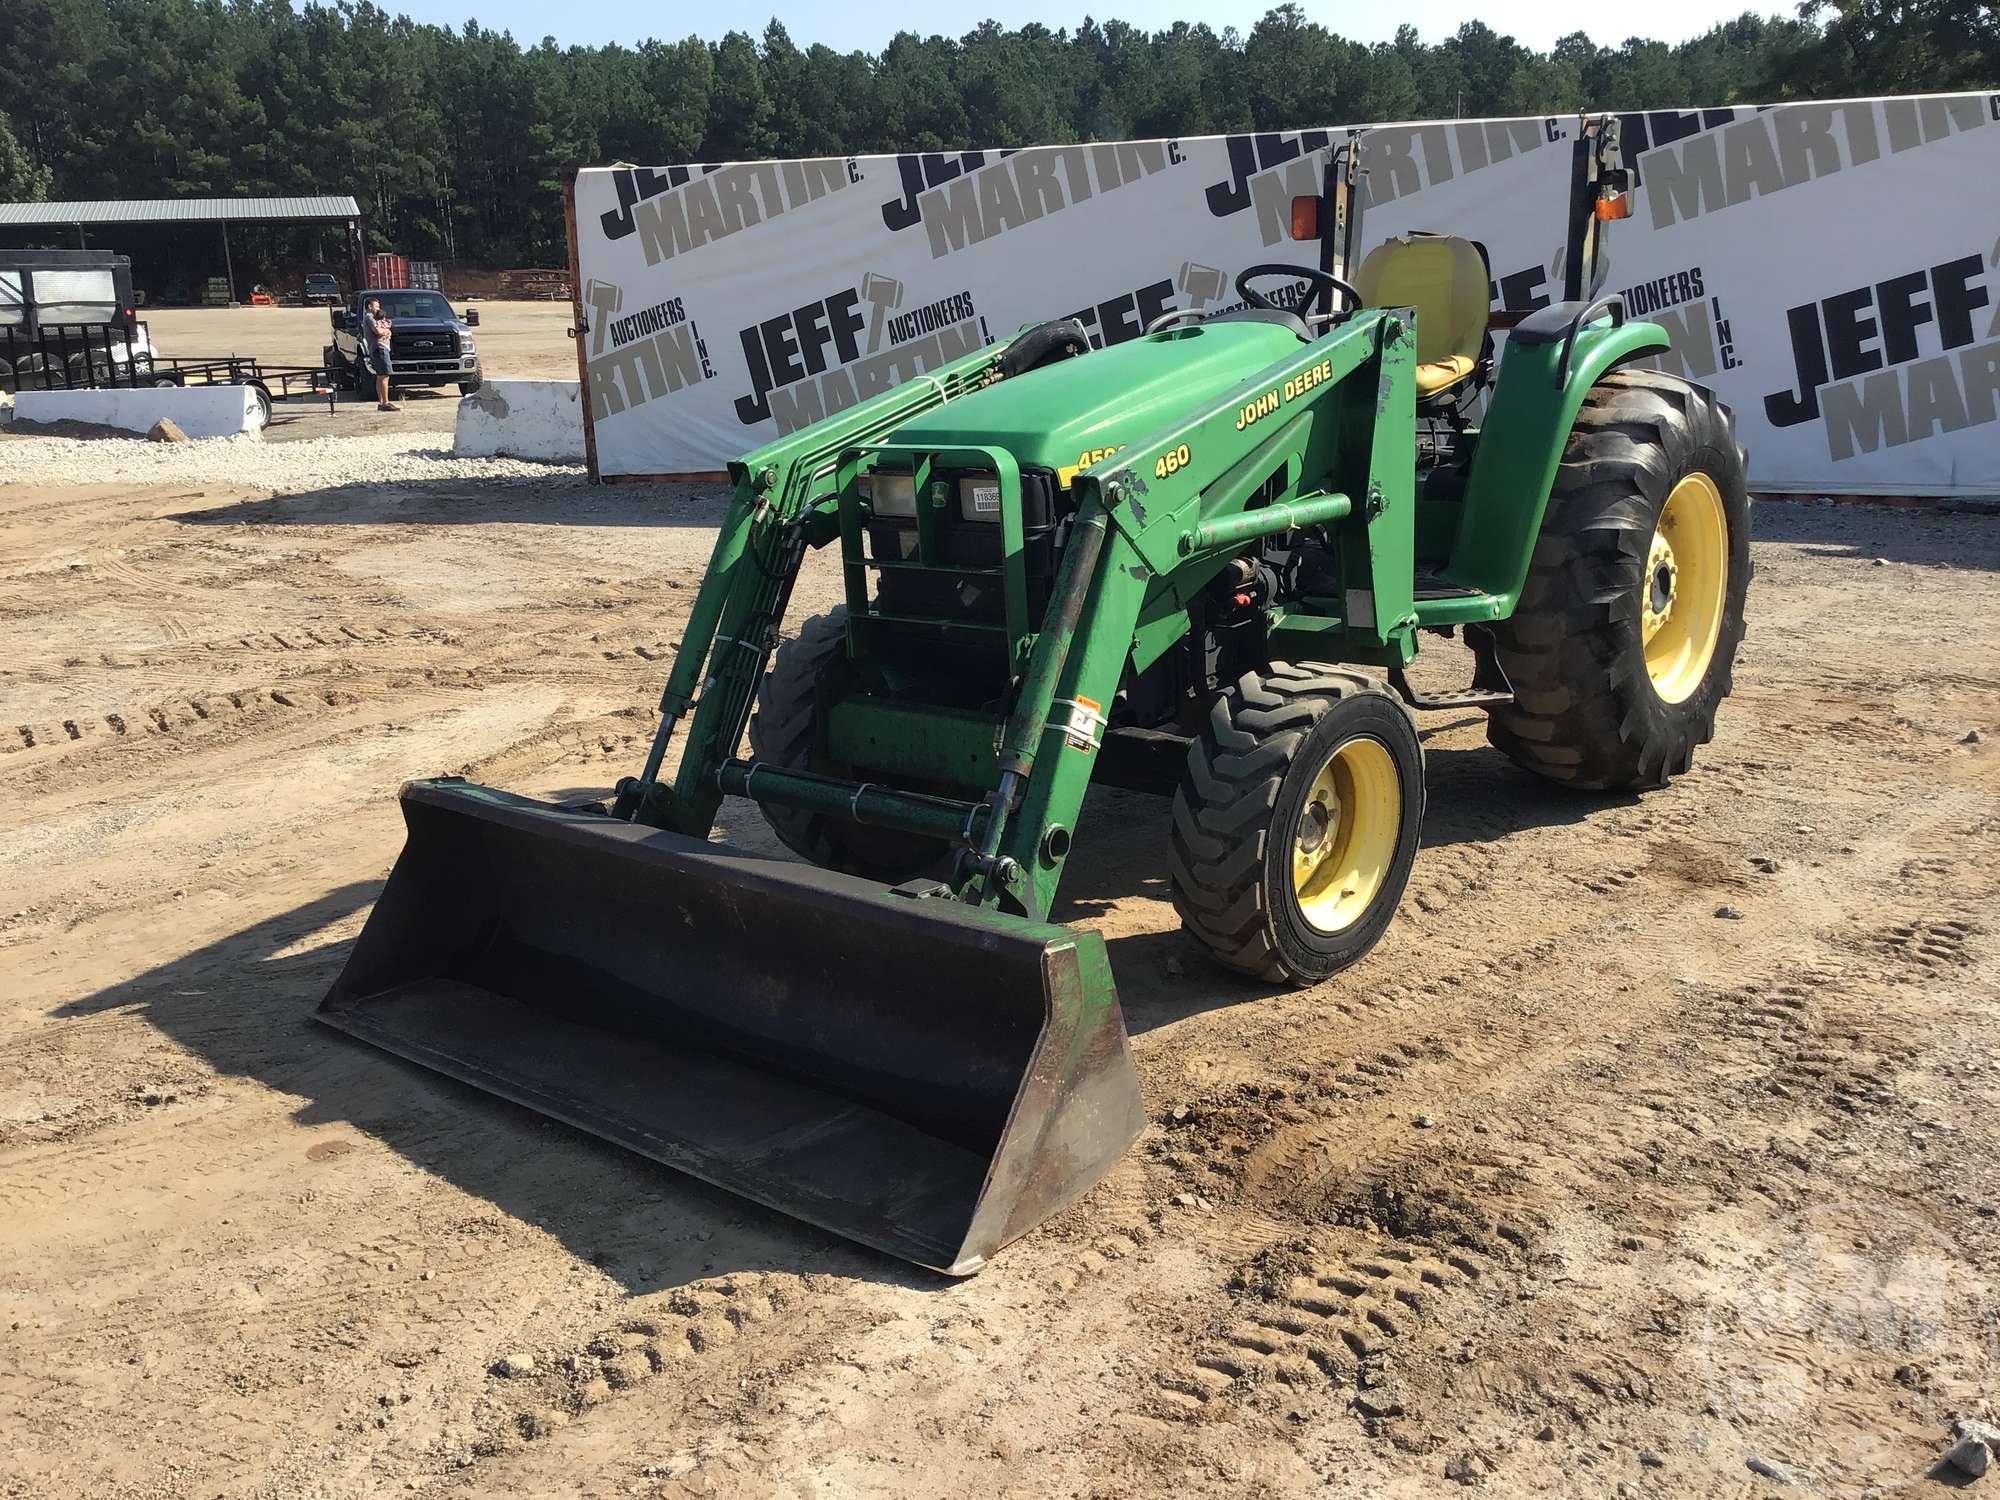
1621	648
784	732
1296	822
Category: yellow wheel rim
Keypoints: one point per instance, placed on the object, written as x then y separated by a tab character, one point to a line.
1345	839
1687	578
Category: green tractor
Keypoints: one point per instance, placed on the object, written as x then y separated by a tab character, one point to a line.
1058	562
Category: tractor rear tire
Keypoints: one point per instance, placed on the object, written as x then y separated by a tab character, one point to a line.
784	732
1622	646
1296	822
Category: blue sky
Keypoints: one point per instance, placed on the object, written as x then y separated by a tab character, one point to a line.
868	24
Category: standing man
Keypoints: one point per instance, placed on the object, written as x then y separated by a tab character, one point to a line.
375	331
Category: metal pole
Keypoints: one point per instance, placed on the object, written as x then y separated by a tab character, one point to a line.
357	250
228	265
1265	521
580	328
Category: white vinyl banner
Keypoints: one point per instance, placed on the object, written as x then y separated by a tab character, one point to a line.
1832	270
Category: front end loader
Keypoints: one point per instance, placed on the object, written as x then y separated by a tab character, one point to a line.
1226	537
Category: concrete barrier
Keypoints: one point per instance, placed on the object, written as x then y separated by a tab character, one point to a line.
201	411
521	419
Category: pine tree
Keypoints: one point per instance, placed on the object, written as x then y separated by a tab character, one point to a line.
457	141
22	178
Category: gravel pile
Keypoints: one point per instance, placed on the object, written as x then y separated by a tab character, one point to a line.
282	468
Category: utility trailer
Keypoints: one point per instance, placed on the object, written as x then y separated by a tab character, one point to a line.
81	357
270	382
69	321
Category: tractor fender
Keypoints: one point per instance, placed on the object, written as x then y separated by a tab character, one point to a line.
1540	388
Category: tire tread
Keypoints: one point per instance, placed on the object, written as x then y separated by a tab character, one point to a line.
1578	717
1222	809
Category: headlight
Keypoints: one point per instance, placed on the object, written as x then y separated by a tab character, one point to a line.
466	346
890	494
979	497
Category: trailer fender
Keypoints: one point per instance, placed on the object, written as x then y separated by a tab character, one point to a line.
263	402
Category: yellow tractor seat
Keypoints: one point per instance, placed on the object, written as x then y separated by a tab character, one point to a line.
1444	278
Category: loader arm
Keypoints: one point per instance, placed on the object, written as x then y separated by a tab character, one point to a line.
770	1027
1309	442
1314	439
777	508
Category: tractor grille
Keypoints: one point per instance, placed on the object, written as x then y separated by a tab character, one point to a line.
963	586
977	594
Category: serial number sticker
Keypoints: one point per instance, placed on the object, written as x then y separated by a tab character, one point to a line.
1085	714
986	499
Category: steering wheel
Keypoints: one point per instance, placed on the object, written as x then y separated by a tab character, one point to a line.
1325	284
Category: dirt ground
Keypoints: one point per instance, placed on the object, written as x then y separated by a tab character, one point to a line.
1651	1154
517	341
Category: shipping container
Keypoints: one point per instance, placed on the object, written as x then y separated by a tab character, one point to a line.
386	271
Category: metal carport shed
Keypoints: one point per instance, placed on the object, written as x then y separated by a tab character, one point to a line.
84	216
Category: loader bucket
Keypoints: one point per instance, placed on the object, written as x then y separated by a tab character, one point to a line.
927	1078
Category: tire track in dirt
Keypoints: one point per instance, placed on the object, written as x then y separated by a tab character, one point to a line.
429	661
1806	1055
1458	1020
233	709
1317	1160
602	1406
1617	1082
1472	1223
226	716
443	1289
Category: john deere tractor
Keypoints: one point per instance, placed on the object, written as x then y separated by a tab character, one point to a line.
1227	538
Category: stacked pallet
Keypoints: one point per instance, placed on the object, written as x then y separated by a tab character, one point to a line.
535	286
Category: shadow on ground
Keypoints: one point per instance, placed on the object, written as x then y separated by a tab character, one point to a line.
1920	537
1474	796
564	501
245	1003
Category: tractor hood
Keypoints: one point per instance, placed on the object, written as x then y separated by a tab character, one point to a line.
1064	415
